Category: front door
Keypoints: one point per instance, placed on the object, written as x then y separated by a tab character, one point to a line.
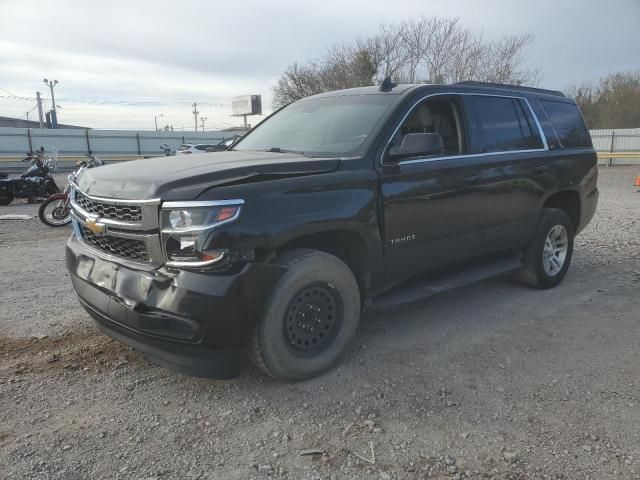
434	206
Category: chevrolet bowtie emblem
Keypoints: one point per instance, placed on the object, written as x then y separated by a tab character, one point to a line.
95	226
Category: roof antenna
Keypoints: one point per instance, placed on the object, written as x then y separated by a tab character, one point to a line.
387	85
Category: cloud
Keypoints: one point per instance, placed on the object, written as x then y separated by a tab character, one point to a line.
209	51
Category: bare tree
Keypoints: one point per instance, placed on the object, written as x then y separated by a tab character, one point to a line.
612	102
504	60
432	50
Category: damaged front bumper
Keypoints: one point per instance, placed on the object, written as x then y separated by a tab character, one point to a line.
197	323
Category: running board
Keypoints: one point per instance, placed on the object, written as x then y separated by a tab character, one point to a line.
418	290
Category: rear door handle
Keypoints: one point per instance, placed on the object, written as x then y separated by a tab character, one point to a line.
540	169
470	179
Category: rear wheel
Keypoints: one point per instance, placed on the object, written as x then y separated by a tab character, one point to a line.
55	212
548	257
310	319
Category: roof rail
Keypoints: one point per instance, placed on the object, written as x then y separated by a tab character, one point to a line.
473	83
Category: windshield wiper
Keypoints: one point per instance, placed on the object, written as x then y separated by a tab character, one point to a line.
282	150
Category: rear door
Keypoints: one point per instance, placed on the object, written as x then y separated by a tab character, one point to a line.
507	138
434	206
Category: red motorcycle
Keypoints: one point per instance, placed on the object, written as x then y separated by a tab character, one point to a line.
55	211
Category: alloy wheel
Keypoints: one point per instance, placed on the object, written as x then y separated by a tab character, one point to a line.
555	250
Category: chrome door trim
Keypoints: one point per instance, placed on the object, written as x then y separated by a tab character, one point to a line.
467	155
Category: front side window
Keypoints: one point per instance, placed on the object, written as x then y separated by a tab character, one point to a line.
502	124
436	115
325	126
568	123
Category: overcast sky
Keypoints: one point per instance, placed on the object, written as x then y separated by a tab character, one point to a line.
120	63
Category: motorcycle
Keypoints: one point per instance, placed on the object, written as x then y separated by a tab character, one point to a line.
55	211
35	182
168	151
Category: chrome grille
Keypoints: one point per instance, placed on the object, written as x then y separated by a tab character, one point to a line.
122	213
127	248
130	227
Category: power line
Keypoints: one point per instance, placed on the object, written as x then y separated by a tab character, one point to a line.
120	102
7	91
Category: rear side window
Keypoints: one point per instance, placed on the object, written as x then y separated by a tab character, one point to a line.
568	123
203	147
502	124
182	148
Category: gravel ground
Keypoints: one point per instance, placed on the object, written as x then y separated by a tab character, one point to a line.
490	381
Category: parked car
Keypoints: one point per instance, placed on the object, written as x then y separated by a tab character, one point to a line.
222	145
190	148
339	203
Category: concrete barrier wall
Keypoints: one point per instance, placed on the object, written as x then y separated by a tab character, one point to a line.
119	145
17	141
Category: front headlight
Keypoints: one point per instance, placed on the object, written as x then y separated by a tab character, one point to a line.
186	228
180	218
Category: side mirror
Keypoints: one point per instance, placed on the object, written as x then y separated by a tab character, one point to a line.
418	144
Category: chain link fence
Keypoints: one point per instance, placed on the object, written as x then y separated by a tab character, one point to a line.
623	144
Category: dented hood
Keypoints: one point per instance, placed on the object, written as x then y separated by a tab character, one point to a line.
187	176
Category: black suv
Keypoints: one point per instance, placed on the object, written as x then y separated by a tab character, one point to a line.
338	203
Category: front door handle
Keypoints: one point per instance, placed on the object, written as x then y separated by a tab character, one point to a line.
539	169
471	179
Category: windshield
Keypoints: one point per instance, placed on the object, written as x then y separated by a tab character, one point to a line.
328	126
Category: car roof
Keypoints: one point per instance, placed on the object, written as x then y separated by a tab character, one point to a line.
373	90
465	86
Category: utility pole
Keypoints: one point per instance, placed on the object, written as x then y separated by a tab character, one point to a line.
155	119
195	114
28	116
202	120
40	115
51	84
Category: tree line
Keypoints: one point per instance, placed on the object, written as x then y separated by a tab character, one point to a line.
611	102
422	50
443	50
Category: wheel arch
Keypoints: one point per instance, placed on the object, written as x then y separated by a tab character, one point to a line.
567	201
349	246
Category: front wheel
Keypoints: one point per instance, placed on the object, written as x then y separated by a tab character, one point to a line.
55	212
310	319
548	257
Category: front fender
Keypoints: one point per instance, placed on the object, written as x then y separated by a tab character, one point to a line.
277	212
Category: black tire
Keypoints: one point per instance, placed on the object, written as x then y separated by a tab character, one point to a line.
534	272
6	200
43	216
293	344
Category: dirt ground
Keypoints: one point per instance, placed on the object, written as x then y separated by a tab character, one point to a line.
490	381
